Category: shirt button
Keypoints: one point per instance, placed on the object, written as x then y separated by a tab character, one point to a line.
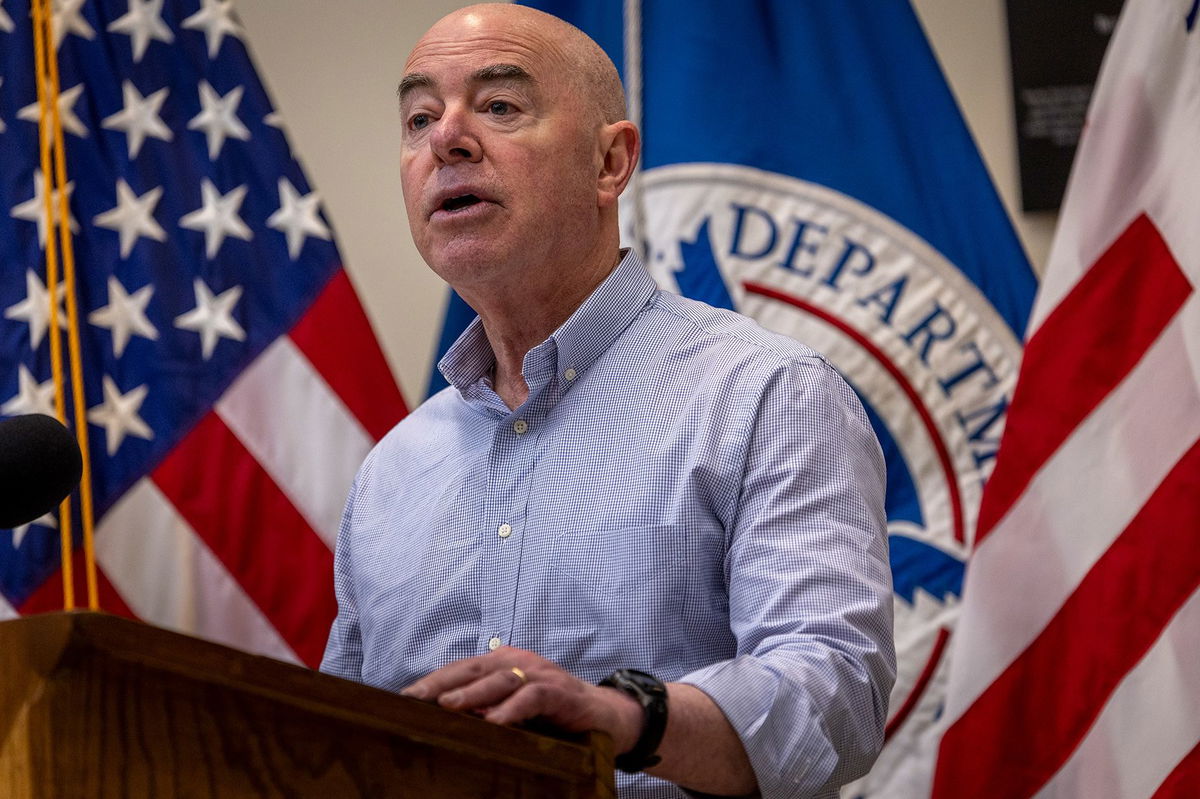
569	374
519	427
494	644
505	530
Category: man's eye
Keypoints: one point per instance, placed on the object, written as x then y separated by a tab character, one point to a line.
418	121
499	107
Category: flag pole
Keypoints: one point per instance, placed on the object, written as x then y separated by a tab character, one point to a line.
633	98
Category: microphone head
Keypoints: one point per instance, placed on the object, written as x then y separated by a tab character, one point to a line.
40	464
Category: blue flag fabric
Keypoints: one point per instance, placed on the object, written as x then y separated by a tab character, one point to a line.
805	163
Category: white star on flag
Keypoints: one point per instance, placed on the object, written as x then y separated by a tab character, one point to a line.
45	520
215	18
274	119
125	314
218	217
118	415
35	308
65	16
34	210
139	118
297	217
133	216
6	25
31	396
218	118
212	317
71	123
143	22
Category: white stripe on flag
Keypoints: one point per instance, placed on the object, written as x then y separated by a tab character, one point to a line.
6	610
1121	452
293	423
169	577
1110	763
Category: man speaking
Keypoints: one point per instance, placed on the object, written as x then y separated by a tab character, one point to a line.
629	511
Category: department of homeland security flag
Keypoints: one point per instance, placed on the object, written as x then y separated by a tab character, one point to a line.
806	165
232	382
1075	671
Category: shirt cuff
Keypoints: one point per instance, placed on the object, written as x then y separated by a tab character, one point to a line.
790	754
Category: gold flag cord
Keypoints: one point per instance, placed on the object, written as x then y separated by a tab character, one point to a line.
51	244
58	220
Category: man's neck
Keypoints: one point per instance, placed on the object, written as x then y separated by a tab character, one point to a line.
519	319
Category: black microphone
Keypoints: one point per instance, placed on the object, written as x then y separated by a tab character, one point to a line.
39	465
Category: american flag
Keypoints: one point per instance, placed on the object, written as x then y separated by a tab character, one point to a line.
1076	669
232	382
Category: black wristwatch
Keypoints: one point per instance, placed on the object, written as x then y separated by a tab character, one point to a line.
651	694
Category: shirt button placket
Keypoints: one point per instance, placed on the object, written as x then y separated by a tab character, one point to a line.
506	488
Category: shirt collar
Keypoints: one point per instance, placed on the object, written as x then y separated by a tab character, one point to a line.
578	342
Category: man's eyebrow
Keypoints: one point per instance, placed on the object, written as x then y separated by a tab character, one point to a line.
411	82
502	72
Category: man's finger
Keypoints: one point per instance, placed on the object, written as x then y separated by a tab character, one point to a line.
488	690
524	705
448	677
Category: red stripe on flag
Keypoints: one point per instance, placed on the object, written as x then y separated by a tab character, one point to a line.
253	528
1024	726
49	595
1083	350
1182	782
338	341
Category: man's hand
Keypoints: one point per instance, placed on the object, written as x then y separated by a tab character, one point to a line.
700	750
511	685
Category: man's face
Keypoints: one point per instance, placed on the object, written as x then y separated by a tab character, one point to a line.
499	156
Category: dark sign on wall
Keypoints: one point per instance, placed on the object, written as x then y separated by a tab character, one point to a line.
1056	48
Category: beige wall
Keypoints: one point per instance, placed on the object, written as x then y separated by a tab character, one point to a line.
333	66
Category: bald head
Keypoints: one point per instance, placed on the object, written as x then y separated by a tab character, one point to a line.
584	64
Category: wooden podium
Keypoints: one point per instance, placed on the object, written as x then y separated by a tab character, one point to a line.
93	705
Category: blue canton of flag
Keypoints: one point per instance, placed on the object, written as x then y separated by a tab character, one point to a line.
201	251
805	164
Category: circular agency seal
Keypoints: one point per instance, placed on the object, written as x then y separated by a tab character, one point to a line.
931	359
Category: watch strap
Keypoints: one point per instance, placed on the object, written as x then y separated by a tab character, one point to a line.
651	694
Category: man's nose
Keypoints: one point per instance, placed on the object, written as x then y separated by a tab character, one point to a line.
454	139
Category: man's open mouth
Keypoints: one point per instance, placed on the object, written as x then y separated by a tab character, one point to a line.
458	203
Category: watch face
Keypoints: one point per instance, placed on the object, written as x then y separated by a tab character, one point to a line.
645	682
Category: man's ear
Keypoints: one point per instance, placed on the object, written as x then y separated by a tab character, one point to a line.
620	147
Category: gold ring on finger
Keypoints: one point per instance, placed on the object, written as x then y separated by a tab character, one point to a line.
520	675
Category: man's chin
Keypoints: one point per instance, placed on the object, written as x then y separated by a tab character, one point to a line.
466	260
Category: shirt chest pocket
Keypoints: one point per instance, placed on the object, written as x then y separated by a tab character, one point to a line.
620	561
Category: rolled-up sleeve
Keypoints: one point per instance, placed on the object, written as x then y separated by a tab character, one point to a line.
810	599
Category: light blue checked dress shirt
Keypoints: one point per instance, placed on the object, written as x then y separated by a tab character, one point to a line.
682	493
